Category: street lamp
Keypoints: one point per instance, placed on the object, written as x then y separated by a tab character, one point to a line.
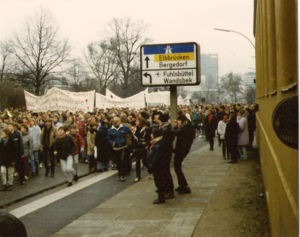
237	33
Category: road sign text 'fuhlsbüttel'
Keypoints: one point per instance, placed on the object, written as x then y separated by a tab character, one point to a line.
170	64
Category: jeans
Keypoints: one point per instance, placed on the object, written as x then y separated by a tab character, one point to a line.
45	154
10	171
100	165
202	133
67	168
34	161
120	159
243	152
75	160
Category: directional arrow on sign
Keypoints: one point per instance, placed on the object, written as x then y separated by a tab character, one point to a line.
147	60
146	75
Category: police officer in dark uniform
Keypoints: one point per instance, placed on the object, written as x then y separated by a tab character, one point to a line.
183	129
160	159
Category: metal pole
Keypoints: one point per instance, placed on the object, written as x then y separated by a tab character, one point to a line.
173	110
237	33
173	103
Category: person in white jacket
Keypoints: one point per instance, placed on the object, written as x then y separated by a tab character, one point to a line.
221	131
243	137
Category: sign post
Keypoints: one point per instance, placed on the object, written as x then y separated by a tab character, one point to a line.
170	65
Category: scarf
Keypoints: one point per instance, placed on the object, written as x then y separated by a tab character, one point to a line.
41	126
46	136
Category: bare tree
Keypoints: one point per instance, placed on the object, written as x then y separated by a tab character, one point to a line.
7	62
77	74
232	84
134	85
125	39
39	49
102	64
11	94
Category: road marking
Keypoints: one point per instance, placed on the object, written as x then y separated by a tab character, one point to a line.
42	202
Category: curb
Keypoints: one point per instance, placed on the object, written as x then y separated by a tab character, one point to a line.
39	192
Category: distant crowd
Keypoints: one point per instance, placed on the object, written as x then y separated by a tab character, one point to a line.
115	138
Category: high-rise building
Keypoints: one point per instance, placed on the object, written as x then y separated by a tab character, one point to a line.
210	69
249	78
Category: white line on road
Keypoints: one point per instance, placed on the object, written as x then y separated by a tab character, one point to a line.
42	202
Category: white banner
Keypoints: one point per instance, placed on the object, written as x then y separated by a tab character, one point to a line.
111	95
162	97
136	101
181	101
56	99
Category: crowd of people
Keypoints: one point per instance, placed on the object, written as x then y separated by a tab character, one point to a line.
114	138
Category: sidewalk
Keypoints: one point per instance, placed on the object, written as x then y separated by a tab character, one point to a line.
131	212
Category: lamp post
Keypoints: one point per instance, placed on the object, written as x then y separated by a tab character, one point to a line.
237	33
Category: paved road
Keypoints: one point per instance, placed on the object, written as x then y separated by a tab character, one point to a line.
49	219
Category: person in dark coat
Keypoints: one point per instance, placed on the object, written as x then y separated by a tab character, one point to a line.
231	137
141	141
104	149
160	157
210	124
16	135
47	138
183	129
64	147
8	157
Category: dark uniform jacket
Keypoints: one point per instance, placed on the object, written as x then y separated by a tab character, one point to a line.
161	153
185	137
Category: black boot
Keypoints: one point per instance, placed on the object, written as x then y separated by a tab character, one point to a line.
158	201
185	190
75	177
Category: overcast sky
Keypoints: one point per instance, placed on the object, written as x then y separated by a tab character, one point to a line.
170	22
